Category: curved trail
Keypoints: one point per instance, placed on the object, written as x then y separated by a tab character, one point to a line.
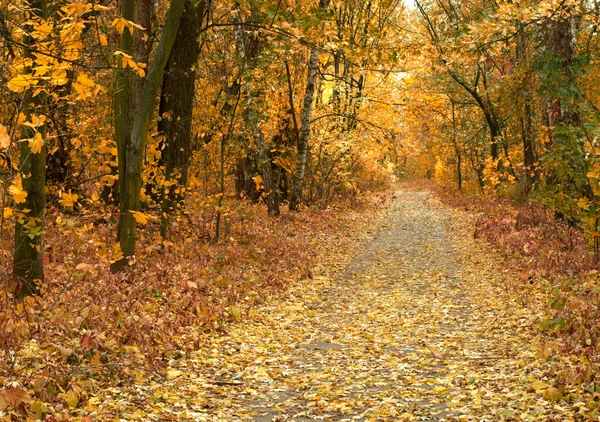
415	328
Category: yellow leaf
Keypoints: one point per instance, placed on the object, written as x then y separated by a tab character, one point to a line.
36	121
83	86
140	217
116	253
59	77
553	394
102	39
120	24
174	373
39	71
236	313
36	143
7	212
73	51
4	138
72	399
16	190
583	203
68	199
258	181
21	82
43	29
539	386
440	390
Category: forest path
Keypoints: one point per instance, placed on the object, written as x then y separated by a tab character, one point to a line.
415	328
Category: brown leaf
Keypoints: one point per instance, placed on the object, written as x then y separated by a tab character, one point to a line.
13	397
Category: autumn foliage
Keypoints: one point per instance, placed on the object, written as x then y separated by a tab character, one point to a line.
148	137
149	152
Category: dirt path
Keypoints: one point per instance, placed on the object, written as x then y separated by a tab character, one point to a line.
414	329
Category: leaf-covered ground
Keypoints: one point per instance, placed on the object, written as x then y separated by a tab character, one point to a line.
417	327
415	321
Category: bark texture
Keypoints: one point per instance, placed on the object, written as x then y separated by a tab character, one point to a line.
129	195
176	107
305	119
28	263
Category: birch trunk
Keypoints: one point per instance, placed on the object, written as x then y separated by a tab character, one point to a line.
313	67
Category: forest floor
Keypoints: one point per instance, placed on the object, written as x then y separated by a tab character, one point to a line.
403	315
418	326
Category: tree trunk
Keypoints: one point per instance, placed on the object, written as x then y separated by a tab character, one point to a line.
311	80
456	148
128	85
129	195
121	107
487	110
176	107
271	192
560	38
28	263
249	47
565	160
526	119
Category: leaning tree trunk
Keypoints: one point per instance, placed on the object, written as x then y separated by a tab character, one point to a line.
28	263
129	195
313	67
177	102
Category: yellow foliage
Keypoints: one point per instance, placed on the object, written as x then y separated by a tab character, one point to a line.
4	137
441	171
21	82
120	24
16	190
127	61
140	217
36	121
83	86
68	199
59	77
36	143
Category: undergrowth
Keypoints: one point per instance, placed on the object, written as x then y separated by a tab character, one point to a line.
550	261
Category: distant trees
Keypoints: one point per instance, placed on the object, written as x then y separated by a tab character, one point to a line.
526	69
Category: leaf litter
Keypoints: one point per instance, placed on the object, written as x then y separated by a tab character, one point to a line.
416	327
415	323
